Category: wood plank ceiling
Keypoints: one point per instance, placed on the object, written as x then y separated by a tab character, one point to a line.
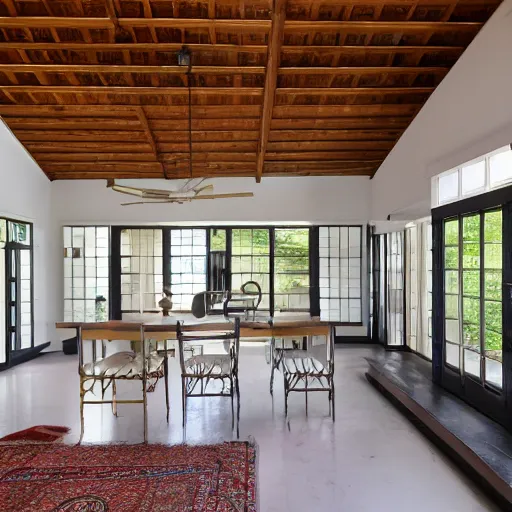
93	89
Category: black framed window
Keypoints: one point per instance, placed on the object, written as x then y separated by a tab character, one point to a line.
16	285
395	289
86	273
291	269
141	269
284	260
473	296
188	266
340	249
250	260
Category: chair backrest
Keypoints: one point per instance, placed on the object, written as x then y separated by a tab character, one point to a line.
252	288
188	335
113	330
199	305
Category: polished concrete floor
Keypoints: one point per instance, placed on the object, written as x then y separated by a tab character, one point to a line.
371	459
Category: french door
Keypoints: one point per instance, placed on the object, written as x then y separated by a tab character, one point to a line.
19	304
472	298
379	287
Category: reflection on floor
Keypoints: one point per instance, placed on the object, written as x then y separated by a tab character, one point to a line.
370	459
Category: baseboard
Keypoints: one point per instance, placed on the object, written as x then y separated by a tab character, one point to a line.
22	356
364	340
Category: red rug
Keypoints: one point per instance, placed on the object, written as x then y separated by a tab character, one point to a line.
40	433
129	478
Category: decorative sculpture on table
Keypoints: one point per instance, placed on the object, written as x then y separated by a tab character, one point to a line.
165	303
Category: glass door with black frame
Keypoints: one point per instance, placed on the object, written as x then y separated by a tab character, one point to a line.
17	314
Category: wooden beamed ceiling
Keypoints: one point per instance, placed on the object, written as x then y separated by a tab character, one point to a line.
93	89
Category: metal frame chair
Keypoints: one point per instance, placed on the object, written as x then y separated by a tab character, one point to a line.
306	371
203	369
127	365
232	296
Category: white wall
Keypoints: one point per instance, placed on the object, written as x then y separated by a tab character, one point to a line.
303	199
469	114
25	194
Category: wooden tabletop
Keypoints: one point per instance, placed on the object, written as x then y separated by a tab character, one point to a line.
165	327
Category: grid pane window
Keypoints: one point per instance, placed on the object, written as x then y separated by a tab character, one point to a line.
141	270
86	273
291	270
3	240
475	295
250	260
395	258
188	266
471	293
340	274
493	277
25	299
412	287
427	350
451	293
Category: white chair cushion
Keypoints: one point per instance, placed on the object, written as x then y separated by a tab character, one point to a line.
124	364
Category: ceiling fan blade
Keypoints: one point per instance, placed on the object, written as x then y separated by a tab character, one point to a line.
224	196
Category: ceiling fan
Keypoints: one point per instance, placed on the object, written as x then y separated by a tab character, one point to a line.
191	190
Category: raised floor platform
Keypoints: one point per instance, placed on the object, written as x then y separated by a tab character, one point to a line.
479	445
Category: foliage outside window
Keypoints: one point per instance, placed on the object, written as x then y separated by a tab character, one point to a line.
474	294
250	260
217	239
291	270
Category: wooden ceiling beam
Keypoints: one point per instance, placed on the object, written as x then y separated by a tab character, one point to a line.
273	62
341	123
147	130
356	70
354	27
315	156
55	22
48	125
166	47
98	147
93	175
167	70
67	110
24	22
333	135
157	91
152	111
25	135
136	47
330	111
316	145
149	134
91	157
284	71
349	91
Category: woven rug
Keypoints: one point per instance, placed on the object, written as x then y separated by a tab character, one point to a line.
60	478
39	433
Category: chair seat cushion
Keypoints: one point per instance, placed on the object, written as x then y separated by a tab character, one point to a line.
124	364
213	364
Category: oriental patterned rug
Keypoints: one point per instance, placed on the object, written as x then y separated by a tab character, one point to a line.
150	478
